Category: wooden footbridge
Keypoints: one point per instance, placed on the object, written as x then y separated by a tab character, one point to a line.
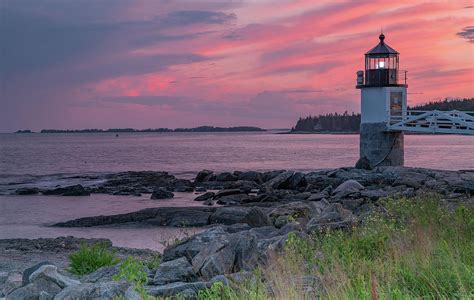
435	121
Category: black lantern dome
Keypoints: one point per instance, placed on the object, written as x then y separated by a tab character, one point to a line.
382	48
381	66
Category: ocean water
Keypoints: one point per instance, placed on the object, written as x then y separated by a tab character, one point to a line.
185	154
30	216
182	154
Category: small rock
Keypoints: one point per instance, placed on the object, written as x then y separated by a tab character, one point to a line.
176	288
332	217
102	275
374	194
50	273
296	181
27	191
226	176
253	216
27	272
294	210
183	189
13	281
208	202
347	187
74	190
363	163
218	263
319	196
281	181
227	192
281	221
3	277
205	175
100	290
233	199
174	270
161	193
271	174
32	291
205	196
251	176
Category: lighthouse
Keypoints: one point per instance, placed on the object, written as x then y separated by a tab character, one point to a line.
383	103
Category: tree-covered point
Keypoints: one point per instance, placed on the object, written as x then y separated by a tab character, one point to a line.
464	104
346	122
329	123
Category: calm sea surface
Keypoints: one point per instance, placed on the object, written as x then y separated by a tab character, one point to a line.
187	153
183	154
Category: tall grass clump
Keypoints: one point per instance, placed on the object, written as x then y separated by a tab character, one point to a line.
249	289
90	258
407	248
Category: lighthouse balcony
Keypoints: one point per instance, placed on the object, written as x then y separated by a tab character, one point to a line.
381	78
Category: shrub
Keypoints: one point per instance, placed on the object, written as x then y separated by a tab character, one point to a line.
90	258
153	262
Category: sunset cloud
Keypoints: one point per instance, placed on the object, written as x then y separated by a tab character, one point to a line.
156	63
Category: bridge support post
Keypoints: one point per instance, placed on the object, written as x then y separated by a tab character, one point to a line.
379	147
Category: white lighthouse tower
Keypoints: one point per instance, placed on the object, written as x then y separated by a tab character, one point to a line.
383	102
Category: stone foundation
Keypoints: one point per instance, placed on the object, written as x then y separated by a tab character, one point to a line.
380	147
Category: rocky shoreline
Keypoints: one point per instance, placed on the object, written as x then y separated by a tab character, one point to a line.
246	216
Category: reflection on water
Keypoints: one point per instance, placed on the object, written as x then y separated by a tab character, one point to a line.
27	217
188	153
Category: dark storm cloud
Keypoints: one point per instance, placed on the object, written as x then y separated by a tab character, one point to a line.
33	39
233	36
467	33
131	66
190	17
314	68
154	38
146	100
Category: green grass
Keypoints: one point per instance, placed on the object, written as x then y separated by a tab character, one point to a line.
406	249
153	262
90	258
133	271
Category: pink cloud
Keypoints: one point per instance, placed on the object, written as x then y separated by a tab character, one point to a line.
218	63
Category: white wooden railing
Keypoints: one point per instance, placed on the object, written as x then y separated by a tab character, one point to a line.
435	121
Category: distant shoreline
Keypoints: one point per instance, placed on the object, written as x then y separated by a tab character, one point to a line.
157	130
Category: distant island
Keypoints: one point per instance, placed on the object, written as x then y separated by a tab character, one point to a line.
123	130
350	123
24	131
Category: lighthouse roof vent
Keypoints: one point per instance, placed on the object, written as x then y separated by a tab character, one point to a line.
382	48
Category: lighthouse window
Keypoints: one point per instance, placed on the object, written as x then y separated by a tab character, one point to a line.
381	64
396	102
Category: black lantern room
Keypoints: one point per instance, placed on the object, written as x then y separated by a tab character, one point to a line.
382	66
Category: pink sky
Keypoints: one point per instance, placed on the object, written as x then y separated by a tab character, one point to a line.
149	64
